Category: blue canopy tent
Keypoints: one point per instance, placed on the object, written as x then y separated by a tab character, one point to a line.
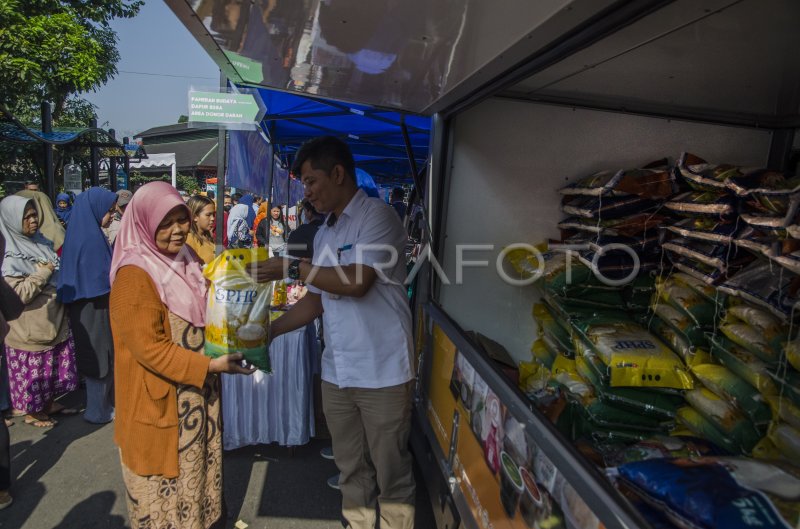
376	137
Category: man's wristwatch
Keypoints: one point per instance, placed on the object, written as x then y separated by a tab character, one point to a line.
294	269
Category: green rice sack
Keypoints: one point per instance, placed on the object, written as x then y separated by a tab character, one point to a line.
611	417
687	300
786	439
783	409
725	417
681	322
702	427
792	352
755	329
744	363
725	384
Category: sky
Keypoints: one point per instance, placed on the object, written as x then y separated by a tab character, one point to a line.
160	61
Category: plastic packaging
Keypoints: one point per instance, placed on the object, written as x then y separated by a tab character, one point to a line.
680	322
238	311
792	352
783	409
766	346
723	382
744	364
763	182
725	418
679	342
630	225
719	492
701	287
711	254
705	229
702	175
765	285
605	207
702	427
708	203
688	301
654	181
786	440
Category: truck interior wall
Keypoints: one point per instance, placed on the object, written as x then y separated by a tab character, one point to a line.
508	160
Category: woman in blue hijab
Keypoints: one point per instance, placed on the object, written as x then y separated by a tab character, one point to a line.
83	286
63	211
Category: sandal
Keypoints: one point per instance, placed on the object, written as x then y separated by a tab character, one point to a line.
56	408
40	422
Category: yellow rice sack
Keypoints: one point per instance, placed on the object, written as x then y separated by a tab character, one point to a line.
237	316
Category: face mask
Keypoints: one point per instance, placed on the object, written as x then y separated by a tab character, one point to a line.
228	207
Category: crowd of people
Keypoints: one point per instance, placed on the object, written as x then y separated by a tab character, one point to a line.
101	289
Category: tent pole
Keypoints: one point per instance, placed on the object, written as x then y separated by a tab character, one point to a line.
174	174
221	148
112	165
94	157
49	170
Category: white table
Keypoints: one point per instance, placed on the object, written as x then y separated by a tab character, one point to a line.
275	408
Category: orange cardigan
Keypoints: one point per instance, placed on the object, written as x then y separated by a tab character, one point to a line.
148	366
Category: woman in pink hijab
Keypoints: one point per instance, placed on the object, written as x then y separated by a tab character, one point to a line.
167	422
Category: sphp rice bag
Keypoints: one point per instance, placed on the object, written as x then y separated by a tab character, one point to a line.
238	308
645	402
634	356
605	207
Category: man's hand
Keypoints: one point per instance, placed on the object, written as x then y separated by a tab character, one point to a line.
272	269
230	363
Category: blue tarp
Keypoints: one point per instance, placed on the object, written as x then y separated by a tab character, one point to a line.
374	135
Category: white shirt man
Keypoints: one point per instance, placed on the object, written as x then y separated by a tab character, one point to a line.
356	283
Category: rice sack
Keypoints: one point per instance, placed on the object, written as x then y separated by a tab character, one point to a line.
634	357
237	317
718	492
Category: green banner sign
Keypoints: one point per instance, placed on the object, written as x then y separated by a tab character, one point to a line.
249	70
214	107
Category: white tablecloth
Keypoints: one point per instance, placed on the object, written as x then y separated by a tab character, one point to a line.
276	408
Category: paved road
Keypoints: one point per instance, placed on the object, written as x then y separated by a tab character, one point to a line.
68	477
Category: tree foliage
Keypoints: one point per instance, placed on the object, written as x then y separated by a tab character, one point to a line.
50	49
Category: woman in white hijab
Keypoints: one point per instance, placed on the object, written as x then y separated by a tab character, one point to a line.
39	348
239	234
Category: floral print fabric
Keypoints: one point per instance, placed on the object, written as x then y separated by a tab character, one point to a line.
193	500
35	378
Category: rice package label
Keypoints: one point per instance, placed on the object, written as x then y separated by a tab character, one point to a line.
237	317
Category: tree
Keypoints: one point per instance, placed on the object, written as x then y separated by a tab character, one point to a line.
50	49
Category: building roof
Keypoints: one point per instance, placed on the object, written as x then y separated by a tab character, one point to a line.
178	129
189	154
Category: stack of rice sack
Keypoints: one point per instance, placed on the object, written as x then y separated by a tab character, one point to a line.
617	208
747	387
700	244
